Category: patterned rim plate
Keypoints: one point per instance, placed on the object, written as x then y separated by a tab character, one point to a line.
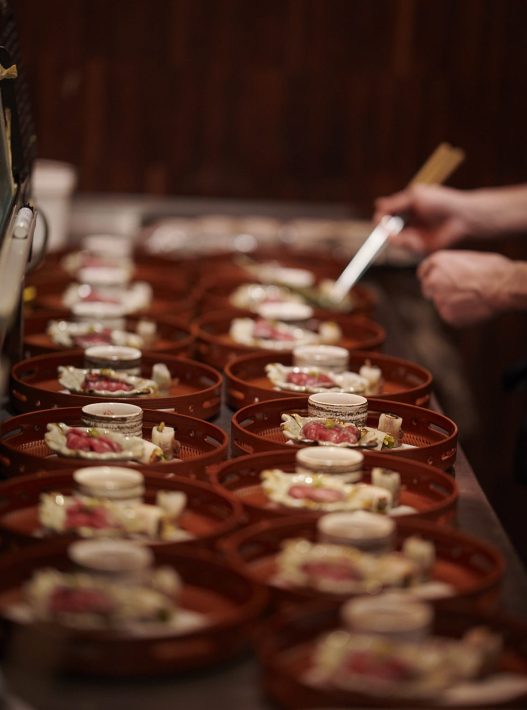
257	428
208	515
230	602
472	567
429	490
285	645
247	383
196	388
215	346
23	449
174	335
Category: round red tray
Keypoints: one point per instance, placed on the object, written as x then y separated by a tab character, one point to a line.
429	490
231	602
208	515
231	263
247	383
286	642
174	336
153	270
176	298
472	567
215	346
23	449
216	293
196	388
257	428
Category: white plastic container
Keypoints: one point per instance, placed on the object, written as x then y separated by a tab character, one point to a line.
53	183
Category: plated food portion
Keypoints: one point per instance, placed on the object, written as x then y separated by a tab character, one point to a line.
426	435
223	335
78	334
152	380
253	295
131	592
272	334
105	382
387	651
279	483
117	502
317	379
93	515
117	598
51	331
261	377
339	555
27	444
98	444
327	492
327	431
101	301
129	298
268	284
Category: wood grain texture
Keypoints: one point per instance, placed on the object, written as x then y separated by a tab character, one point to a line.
297	99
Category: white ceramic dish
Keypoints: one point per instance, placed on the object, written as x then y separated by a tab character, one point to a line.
330	357
339	405
112	482
331	460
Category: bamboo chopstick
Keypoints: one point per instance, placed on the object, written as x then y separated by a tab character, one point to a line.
442	163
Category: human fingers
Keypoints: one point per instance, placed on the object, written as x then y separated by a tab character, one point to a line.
436	275
410	239
461	308
393	204
426	266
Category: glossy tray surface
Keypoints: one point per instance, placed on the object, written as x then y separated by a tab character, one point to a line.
429	490
174	335
471	567
208	514
286	643
24	450
215	346
257	428
195	389
229	602
247	383
217	292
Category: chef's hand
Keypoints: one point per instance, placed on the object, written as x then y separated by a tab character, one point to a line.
436	216
440	216
467	287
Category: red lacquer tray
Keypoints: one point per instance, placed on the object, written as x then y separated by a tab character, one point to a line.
215	346
175	298
230	602
196	388
174	336
23	449
208	515
154	270
285	646
257	428
470	566
430	491
216	294
247	383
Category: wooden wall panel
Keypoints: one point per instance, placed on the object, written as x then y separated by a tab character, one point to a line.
300	99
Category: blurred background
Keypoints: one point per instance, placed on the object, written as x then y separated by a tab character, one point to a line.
336	100
317	101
